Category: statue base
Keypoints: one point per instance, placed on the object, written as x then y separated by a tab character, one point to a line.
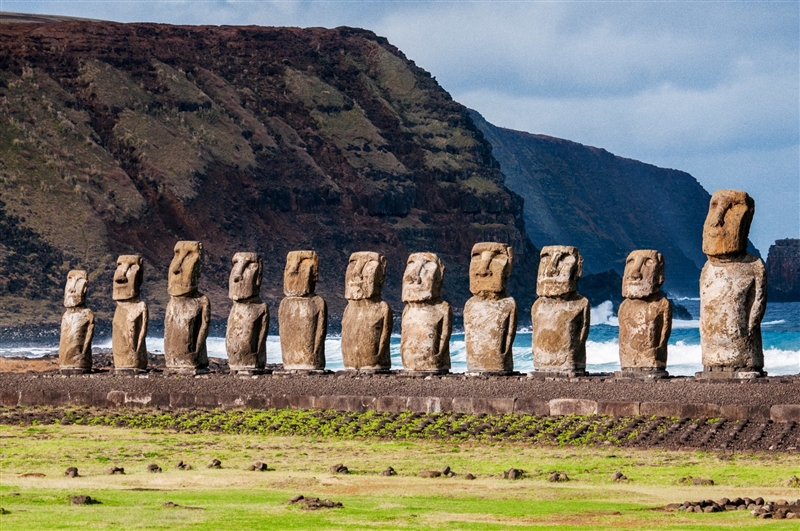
422	374
185	371
366	371
74	371
570	373
641	373
128	371
730	373
301	372
248	371
491	373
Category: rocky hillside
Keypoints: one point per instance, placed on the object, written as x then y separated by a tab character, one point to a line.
783	271
121	138
605	205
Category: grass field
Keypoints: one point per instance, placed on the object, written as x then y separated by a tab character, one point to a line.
235	498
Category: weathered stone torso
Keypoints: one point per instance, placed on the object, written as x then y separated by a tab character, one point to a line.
128	335
302	324
490	326
732	304
366	332
425	337
75	345
644	329
185	330
246	336
560	328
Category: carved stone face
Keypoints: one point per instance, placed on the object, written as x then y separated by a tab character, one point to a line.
301	273
75	290
728	223
490	267
245	280
422	280
127	277
365	274
184	271
560	267
644	274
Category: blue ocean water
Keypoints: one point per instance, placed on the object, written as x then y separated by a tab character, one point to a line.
780	332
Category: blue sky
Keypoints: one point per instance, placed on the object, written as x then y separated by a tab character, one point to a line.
708	87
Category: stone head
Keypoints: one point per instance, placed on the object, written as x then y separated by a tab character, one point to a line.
560	267
365	274
245	279
728	223
422	279
75	290
128	277
644	274
184	270
490	267
301	273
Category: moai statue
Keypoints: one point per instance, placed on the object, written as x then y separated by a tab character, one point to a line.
490	316
427	319
560	316
188	312
733	291
367	320
248	322
77	327
130	318
302	315
645	317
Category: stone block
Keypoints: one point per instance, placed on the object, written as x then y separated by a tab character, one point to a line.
391	404
700	411
731	412
9	398
279	401
138	399
301	401
116	397
429	404
257	402
572	406
232	401
785	413
531	406
492	406
661	409
181	400
462	404
618	409
325	402
206	400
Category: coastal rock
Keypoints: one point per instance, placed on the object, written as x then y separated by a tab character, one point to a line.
427	320
302	315
783	271
129	328
77	326
248	322
490	316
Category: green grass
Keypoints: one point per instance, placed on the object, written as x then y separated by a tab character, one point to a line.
234	498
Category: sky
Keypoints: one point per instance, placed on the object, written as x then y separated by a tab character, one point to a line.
708	87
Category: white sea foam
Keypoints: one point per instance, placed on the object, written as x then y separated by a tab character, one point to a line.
604	314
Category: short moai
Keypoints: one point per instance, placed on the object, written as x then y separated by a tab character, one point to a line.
427	320
77	327
645	317
248	322
733	291
367	320
560	316
188	312
129	327
302	315
490	316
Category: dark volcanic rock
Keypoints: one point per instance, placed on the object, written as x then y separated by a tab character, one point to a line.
783	271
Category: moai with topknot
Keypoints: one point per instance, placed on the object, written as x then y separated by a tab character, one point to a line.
129	327
367	320
188	312
733	291
77	327
302	315
490	316
645	317
248	322
560	316
427	319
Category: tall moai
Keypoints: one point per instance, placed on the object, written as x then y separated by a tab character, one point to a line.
77	327
645	317
367	320
188	312
733	291
129	327
427	320
302	315
248	322
560	316
490	316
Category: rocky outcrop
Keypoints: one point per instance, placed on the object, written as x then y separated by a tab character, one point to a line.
783	271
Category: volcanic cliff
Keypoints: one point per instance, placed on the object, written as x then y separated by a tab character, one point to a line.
783	270
124	138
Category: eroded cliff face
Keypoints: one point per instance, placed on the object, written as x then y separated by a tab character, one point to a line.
783	271
605	205
124	138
